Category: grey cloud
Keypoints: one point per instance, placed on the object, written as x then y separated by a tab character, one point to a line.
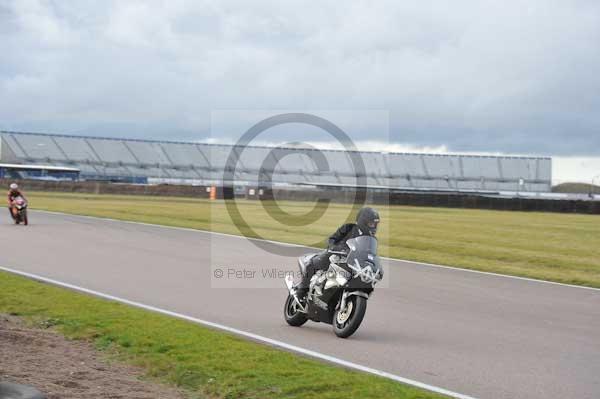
514	76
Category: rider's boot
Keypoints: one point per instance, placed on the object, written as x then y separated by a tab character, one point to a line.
302	288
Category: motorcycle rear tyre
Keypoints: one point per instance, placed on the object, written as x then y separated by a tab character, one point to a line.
295	319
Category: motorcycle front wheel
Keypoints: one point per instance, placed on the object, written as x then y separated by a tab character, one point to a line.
346	321
292	314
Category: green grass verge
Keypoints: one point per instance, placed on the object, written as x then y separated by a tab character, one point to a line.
205	362
549	246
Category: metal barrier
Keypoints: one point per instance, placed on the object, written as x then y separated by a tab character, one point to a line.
446	200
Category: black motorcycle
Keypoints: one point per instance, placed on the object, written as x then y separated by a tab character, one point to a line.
339	295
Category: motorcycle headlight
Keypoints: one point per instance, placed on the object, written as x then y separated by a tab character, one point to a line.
366	272
374	276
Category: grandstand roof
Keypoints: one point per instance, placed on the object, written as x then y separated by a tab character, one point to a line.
283	146
38	167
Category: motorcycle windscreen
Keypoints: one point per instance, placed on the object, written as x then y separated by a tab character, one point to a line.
363	249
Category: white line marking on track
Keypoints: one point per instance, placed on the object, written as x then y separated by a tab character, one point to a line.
255	337
533	280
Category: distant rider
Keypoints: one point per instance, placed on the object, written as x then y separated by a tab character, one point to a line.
13	193
367	220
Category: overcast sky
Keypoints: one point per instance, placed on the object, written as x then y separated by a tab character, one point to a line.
493	76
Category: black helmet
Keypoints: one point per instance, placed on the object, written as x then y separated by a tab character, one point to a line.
367	220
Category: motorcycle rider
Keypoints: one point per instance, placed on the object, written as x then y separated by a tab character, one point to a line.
367	220
13	193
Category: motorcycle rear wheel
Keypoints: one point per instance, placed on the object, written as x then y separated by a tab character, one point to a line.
345	323
293	316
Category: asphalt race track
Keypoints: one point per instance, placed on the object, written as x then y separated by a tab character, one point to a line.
481	335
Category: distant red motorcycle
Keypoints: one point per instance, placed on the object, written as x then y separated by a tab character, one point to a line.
20	216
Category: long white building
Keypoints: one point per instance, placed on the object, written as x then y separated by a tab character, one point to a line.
144	161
